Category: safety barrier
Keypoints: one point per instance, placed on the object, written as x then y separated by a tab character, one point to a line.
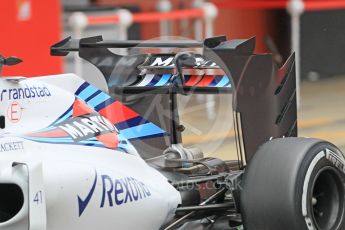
124	18
295	8
308	5
206	11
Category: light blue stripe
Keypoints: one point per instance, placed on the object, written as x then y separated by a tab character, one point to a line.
58	140
87	92
45	129
90	142
100	98
143	130
225	80
62	140
125	148
121	137
164	79
121	145
92	139
66	116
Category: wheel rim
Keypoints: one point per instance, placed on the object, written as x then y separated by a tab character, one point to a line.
327	201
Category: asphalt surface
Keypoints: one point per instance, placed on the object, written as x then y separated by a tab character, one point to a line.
321	115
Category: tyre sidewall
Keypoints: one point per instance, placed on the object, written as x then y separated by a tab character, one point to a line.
321	156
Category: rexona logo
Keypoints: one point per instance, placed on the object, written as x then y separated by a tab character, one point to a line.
25	92
115	192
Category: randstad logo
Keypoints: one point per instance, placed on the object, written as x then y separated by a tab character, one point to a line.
25	92
116	192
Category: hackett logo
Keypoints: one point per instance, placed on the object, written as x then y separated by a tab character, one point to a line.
11	146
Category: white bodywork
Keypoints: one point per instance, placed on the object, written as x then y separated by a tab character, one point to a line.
66	183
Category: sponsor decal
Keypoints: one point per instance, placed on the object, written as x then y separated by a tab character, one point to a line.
168	61
84	124
11	146
335	160
87	126
115	192
14	112
25	92
95	114
161	61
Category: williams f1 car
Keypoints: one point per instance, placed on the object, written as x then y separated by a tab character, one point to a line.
72	155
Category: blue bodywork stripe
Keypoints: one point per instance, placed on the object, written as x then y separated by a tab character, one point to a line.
65	117
131	123
98	99
154	80
143	130
104	104
164	80
82	87
223	82
87	92
93	95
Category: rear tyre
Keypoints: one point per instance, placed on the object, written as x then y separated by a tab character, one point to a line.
294	184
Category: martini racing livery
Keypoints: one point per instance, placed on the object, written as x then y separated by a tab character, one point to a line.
87	123
74	157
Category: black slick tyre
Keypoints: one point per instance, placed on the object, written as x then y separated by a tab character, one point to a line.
294	184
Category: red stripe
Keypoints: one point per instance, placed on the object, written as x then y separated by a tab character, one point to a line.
197	13
252	4
110	140
148	17
324	5
193	80
53	133
81	108
117	112
172	15
309	5
101	20
206	80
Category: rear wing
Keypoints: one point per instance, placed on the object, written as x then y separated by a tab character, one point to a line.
134	80
264	95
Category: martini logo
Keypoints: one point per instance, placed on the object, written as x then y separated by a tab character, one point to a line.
163	62
84	125
168	61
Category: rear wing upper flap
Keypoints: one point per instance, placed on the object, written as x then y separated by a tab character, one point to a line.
63	47
237	46
95	50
